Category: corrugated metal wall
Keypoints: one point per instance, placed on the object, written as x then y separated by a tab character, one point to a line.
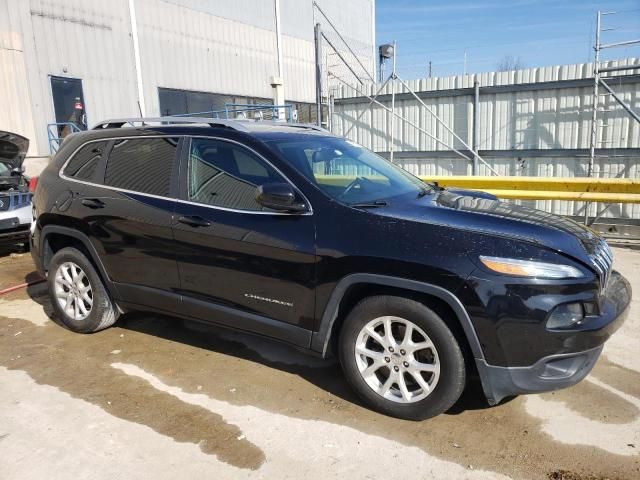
76	39
16	102
531	122
216	46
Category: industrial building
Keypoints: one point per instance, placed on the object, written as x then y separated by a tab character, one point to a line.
88	60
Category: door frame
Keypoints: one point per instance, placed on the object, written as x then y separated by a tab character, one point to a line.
53	104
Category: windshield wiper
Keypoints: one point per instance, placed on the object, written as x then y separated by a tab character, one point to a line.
376	204
429	188
423	191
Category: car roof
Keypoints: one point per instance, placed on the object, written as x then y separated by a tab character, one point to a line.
192	126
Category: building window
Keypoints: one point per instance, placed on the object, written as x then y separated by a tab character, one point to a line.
181	102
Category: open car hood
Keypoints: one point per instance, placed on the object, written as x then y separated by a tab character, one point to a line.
13	149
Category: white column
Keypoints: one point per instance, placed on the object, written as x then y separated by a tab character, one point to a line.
136	56
277	82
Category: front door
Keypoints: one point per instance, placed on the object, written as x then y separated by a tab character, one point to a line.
233	254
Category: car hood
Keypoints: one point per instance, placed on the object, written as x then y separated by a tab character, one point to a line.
484	213
13	149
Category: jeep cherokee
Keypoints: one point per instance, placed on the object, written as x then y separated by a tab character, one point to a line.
292	233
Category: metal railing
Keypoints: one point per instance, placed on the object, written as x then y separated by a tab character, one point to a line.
55	136
234	111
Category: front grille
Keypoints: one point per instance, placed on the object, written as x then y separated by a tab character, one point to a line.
602	259
14	200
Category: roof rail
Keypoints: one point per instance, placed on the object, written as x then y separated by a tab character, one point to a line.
212	122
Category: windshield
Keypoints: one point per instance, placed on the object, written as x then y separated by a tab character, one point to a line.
348	172
5	170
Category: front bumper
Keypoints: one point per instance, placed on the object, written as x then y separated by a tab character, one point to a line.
561	370
15	225
19	234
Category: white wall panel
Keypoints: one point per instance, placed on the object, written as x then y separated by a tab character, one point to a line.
549	118
535	119
217	46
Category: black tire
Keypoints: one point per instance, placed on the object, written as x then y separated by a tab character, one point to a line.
103	312
452	379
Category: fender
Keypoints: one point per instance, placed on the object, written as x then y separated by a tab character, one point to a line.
81	237
320	339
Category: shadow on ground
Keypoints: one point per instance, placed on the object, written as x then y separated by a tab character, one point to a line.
325	374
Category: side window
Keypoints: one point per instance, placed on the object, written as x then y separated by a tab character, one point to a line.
83	164
226	175
142	165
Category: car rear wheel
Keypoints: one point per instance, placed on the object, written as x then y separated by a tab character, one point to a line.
401	358
77	293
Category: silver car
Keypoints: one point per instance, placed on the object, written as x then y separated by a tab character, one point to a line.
15	198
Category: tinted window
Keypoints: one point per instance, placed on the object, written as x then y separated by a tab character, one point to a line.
83	164
142	165
226	175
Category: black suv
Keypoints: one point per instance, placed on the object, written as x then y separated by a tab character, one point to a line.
292	233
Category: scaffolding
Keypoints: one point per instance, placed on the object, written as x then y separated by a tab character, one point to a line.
351	72
347	70
601	77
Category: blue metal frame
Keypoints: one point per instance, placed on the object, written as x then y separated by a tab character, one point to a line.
17	200
52	133
232	108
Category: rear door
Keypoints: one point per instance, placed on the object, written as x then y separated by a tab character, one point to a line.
125	196
233	254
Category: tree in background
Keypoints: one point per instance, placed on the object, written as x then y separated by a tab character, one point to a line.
509	63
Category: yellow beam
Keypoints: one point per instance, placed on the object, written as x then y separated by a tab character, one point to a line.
571	196
599	185
607	190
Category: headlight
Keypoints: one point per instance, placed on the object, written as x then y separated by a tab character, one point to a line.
529	268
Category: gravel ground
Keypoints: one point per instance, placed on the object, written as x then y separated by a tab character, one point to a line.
161	398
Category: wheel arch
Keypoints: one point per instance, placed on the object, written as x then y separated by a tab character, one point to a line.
55	237
351	289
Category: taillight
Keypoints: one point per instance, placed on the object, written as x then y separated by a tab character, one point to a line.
33	183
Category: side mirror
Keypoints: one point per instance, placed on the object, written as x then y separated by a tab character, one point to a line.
279	196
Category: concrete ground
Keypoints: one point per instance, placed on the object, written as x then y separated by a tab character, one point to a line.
161	398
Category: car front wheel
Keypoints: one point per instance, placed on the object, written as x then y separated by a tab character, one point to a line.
401	358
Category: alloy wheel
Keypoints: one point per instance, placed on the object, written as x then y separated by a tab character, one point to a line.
397	359
73	291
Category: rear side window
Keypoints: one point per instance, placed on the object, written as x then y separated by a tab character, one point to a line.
142	165
83	164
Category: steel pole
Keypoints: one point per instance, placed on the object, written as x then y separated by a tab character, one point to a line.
393	104
318	39
474	140
619	100
594	113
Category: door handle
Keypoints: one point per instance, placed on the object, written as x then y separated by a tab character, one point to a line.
93	203
194	221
